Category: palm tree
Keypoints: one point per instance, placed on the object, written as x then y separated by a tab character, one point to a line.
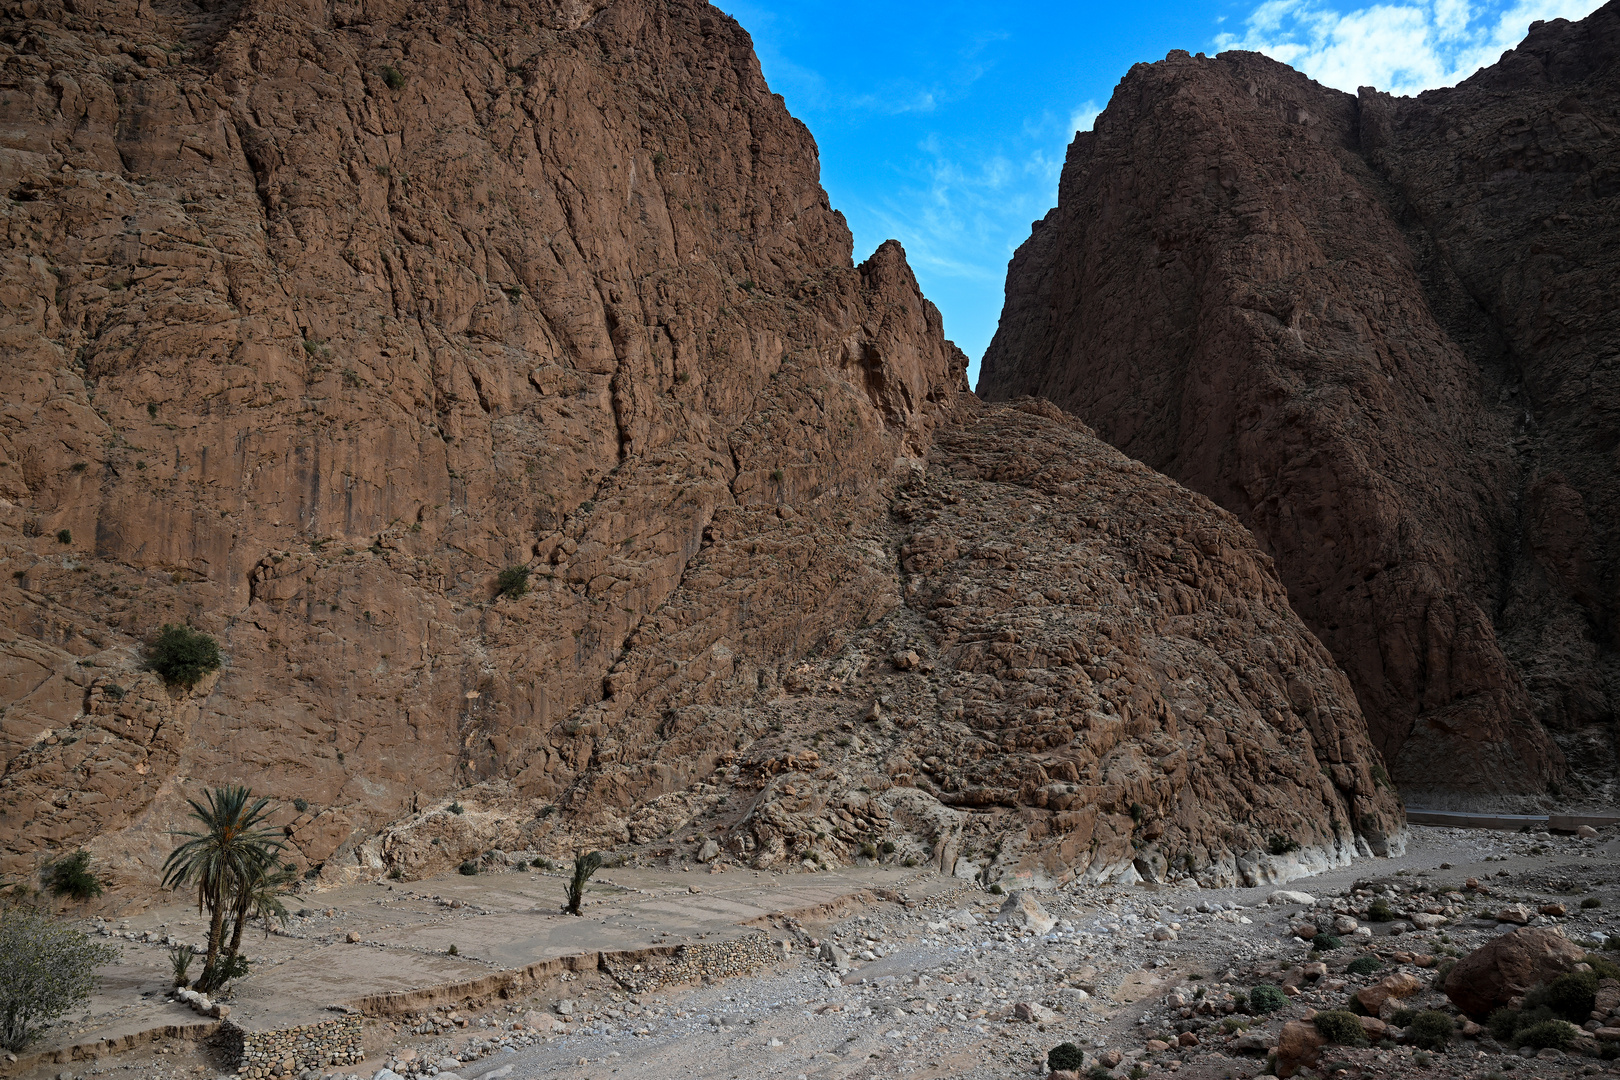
259	899
584	866
226	857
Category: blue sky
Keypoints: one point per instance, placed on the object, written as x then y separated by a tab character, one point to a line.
944	124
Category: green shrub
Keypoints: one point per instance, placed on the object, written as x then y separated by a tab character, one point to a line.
1065	1056
1603	967
452	950
1403	1017
1570	995
71	877
869	850
1592	902
1342	1027
393	77
456	808
64	536
1430	1029
513	582
888	847
540	864
1327	942
469	867
1363	965
1503	1023
1281	845
47	969
182	656
1266	998
1380	911
300	805
1549	1033
996	889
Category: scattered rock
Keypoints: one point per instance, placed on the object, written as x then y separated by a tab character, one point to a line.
1289	896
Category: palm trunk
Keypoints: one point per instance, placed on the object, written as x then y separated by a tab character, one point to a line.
216	930
236	933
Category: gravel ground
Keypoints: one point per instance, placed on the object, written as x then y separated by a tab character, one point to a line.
935	985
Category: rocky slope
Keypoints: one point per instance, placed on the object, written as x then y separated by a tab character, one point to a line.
319	318
1080	670
1383	332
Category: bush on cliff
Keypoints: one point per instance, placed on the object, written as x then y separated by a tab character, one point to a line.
182	656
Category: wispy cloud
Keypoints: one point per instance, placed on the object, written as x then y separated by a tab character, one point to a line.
963	207
1403	48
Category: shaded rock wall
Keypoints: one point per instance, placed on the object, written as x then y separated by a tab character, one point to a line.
1383	332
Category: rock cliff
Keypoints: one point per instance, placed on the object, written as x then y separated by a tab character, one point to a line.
319	317
1384	333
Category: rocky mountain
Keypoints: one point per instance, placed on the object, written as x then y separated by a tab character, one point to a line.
327	322
1385	333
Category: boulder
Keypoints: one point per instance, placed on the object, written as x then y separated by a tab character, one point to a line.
1514	913
709	852
1422	920
1298	1047
836	955
1023	910
1285	897
1033	1012
1498	971
1399	985
1586	832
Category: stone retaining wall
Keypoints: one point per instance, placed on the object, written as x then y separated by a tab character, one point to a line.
696	963
288	1052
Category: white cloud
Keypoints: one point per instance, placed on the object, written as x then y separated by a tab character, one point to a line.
1402	47
1083	117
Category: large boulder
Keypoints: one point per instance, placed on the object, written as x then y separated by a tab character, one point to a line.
1495	973
1298	1047
1399	985
1021	909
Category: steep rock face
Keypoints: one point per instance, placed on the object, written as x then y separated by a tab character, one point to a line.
317	317
322	317
1382	332
1076	669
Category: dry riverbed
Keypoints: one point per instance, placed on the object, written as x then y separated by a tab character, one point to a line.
1149	982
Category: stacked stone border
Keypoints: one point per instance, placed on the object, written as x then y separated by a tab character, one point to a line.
289	1051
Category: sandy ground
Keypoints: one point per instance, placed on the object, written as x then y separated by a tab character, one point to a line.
930	993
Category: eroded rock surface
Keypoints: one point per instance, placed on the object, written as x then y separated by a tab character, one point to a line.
1383	332
319	318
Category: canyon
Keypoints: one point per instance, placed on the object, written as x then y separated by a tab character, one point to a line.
497	386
